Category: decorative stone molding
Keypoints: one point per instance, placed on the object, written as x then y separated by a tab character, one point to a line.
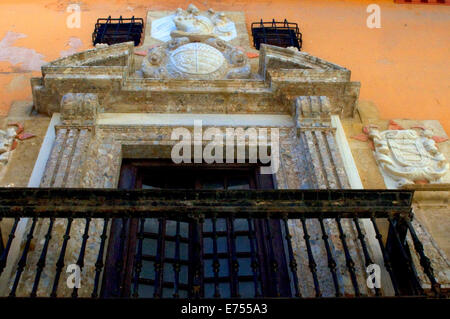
65	164
313	107
405	156
191	22
312	112
79	108
6	142
182	58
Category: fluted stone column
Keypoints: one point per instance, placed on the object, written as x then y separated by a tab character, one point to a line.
64	169
320	160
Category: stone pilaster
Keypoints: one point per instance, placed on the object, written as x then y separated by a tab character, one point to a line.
316	136
322	163
68	154
64	169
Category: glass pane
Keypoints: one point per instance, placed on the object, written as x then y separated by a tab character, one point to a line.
242	244
171	227
213	182
225	291
240	224
208	245
145	291
247	289
167	293
148	247
239	182
221	224
170	249
178	180
183	293
151	225
184	230
184	251
207	225
184	273
168	275
148	270
144	186
222	245
245	268
209	290
153	183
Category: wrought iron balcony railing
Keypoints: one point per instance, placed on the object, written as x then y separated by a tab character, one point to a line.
206	244
118	30
283	34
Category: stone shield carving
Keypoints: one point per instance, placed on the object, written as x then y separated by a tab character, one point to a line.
209	59
195	58
405	156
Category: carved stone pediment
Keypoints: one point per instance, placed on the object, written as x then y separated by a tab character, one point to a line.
209	59
285	60
406	156
102	57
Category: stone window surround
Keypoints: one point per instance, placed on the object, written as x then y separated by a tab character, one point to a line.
177	120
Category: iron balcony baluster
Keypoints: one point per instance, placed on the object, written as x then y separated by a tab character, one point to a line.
177	264
331	261
62	254
159	262
196	253
312	262
255	264
5	251
348	259
41	262
424	260
273	262
292	261
138	258
404	254
386	259
216	262
120	259
367	259
234	263
80	261
99	264
23	259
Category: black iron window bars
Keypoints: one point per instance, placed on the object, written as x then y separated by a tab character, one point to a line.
283	34
325	207
113	30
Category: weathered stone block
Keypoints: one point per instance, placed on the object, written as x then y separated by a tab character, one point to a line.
79	108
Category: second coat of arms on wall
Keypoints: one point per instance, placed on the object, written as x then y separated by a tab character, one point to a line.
408	156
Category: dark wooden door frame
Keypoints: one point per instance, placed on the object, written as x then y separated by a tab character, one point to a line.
117	278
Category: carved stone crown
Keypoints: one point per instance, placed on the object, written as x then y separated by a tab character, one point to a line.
194	24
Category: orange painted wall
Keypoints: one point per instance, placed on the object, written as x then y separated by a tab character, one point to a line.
404	67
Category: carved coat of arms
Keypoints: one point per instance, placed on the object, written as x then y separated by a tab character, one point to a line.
407	156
